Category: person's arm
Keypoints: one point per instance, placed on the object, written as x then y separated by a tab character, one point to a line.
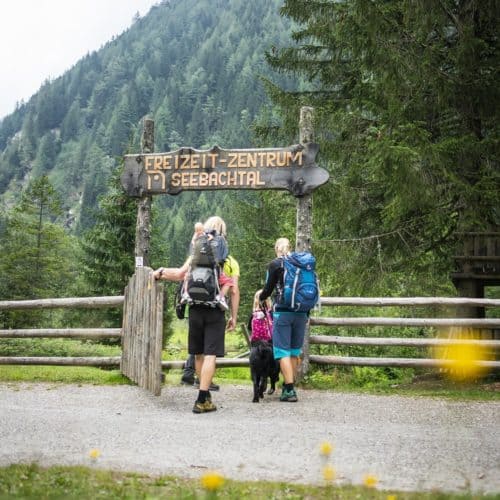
235	303
172	273
272	277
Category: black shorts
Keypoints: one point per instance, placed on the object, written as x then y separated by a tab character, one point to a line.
207	329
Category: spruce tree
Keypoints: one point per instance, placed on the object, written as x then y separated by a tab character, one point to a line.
37	257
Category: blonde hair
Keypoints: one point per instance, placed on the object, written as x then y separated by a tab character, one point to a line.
216	223
199	227
282	246
256	301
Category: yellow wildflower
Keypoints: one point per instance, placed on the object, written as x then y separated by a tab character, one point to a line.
94	453
326	449
460	359
328	473
212	481
391	497
370	480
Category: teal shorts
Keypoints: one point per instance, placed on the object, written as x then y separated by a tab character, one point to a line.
288	333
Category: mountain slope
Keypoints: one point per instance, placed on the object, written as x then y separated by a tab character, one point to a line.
192	65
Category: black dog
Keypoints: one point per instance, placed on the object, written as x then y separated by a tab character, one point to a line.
262	366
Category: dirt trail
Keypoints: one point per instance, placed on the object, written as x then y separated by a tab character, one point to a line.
408	443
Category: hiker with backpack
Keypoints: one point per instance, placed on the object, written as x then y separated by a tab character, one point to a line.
292	278
207	326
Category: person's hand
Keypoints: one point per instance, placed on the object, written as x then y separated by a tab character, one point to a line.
157	274
231	324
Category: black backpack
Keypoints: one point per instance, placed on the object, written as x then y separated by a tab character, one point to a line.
203	280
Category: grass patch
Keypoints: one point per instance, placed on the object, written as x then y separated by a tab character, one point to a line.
63	374
32	481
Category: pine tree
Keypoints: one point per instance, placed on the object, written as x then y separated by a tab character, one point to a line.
36	255
108	247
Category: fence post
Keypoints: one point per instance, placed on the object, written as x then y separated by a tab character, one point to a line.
143	223
304	218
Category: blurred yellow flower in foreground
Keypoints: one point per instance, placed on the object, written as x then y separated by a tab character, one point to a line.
391	497
326	449
370	481
461	358
94	453
212	481
328	473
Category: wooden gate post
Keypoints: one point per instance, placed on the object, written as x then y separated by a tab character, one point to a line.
304	218
142	331
143	224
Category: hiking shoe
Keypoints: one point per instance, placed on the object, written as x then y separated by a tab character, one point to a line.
213	387
221	303
289	396
204	407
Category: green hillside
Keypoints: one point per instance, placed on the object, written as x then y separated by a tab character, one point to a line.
191	65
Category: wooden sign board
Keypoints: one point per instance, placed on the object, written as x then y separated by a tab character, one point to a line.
187	169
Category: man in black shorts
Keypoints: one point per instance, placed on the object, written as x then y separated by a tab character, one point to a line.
207	328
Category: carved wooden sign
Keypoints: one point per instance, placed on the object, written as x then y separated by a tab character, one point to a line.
189	169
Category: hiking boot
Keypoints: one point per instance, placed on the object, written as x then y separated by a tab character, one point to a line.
289	396
204	407
220	300
213	387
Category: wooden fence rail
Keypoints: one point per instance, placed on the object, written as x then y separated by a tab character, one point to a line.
408	301
81	333
379	321
61	361
79	303
397	341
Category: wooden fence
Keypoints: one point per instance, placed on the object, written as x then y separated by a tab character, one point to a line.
143	317
488	324
141	332
79	333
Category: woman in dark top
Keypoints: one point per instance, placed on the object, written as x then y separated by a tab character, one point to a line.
288	326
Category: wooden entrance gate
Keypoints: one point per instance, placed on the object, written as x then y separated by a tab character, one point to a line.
142	331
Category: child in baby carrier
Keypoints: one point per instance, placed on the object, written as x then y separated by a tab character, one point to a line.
261	326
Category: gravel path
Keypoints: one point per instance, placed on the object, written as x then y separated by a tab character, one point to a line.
408	443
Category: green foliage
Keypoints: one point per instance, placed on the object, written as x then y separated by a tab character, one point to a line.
36	255
56	347
406	112
108	248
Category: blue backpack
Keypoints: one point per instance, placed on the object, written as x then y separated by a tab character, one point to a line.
300	282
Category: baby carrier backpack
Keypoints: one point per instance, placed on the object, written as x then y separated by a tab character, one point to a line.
300	283
209	253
